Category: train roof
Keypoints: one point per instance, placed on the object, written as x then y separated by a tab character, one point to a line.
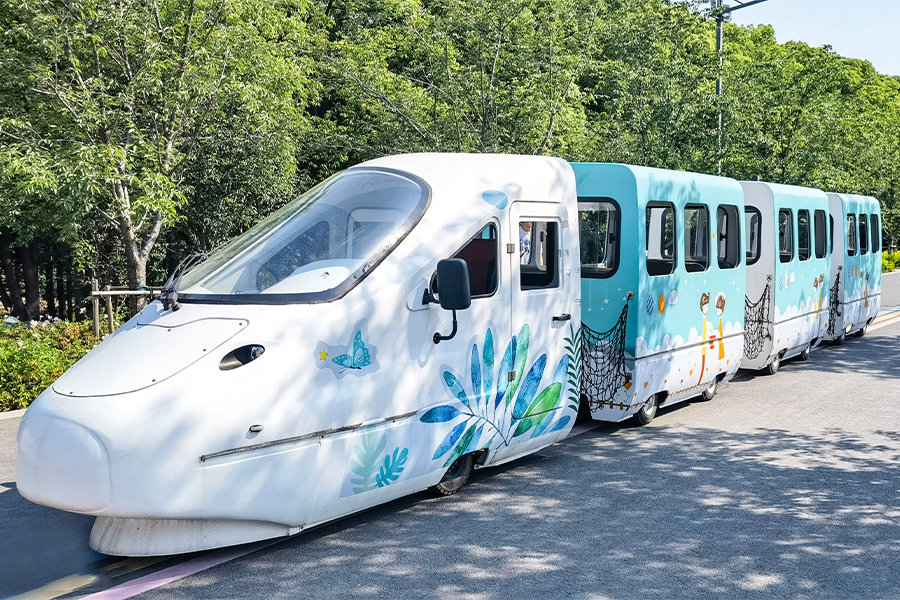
649	184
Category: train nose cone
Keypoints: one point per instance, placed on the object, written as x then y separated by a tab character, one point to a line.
61	464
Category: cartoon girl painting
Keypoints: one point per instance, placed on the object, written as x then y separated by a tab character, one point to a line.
704	308
720	308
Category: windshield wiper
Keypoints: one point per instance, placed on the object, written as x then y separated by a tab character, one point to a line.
168	295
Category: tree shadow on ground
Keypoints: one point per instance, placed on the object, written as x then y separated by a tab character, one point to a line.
616	512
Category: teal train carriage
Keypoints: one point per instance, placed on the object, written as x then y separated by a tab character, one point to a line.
662	280
855	265
787	265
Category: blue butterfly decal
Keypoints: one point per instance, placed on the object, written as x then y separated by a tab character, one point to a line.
360	357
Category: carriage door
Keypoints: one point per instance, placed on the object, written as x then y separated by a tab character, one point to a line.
543	302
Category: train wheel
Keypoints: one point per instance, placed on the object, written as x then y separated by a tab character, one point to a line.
710	392
841	339
862	331
773	366
804	354
456	476
648	410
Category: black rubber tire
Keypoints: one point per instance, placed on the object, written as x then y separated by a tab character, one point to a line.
456	476
804	354
647	411
710	392
862	332
773	366
584	410
841	339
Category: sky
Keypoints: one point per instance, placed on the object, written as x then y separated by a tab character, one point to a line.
867	30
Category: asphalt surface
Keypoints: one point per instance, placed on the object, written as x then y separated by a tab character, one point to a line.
783	486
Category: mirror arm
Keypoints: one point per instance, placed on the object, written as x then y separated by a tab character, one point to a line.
438	337
428	298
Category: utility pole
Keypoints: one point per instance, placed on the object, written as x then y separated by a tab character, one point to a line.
722	14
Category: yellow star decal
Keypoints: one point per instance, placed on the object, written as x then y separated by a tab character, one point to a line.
324	355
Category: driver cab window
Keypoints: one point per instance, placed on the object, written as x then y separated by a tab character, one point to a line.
480	254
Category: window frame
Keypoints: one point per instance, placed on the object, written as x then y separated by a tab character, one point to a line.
702	209
590	272
731	211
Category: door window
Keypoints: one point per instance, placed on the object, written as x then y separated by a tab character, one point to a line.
728	231
696	238
753	224
863	234
480	254
876	235
538	254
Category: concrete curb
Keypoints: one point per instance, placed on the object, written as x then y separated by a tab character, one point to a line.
13	414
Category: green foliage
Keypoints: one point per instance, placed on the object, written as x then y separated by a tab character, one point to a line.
32	358
890	260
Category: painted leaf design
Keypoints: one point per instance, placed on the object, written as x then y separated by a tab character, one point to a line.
476	374
488	365
540	409
505	367
521	358
393	466
440	414
560	423
456	387
461	446
529	387
367	465
448	441
562	370
473	445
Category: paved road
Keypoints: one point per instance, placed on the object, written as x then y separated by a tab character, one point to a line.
785	486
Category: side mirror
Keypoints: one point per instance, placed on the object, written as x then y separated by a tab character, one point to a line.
453	284
453	290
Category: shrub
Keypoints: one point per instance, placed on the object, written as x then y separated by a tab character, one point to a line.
890	260
33	356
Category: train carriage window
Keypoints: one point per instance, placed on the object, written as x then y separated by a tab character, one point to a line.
753	225
660	234
728	236
785	235
851	235
480	254
599	227
821	234
538	254
863	234
696	238
876	235
804	249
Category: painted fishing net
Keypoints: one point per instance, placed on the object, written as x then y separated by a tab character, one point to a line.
756	323
834	304
603	366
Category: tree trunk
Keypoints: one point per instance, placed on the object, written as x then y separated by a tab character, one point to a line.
4	297
49	287
32	277
12	282
70	292
61	311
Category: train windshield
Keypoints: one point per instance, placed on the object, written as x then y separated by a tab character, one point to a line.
316	248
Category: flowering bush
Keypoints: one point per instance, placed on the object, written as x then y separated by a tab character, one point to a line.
33	355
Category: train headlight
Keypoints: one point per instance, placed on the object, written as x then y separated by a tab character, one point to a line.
241	356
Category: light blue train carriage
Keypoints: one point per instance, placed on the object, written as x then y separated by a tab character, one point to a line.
662	272
787	259
855	279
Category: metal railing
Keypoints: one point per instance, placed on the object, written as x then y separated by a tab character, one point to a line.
109	292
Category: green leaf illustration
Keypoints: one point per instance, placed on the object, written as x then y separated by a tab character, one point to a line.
522	342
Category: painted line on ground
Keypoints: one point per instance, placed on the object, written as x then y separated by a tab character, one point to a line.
171	574
885	315
891	320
